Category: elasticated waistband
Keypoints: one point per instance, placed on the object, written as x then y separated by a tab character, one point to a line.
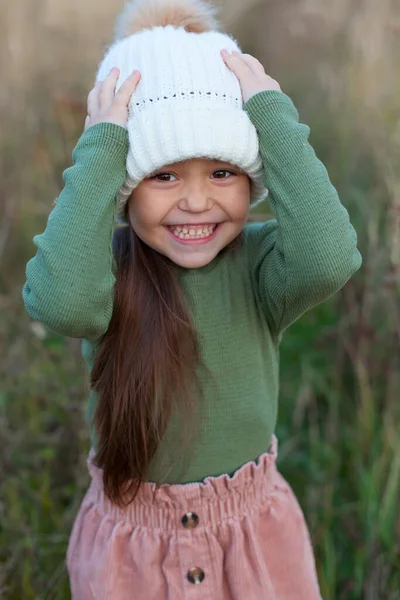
212	501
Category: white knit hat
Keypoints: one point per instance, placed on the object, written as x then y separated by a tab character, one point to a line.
188	103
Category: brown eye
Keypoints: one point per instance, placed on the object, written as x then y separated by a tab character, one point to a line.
160	175
224	171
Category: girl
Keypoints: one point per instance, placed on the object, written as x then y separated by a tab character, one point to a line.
181	309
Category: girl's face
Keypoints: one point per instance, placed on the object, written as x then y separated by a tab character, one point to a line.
189	211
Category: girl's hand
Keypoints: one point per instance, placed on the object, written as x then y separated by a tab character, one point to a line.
104	106
250	73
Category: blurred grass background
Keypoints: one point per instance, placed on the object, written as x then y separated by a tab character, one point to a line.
340	376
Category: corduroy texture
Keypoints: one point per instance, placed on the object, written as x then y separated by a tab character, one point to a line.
241	302
250	543
188	104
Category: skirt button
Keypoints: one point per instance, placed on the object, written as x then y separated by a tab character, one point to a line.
190	520
195	575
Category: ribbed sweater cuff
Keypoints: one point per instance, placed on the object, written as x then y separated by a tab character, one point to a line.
277	104
113	137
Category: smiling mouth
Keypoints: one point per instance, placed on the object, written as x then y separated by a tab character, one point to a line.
192	232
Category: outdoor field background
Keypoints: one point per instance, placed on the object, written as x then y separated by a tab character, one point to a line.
339	420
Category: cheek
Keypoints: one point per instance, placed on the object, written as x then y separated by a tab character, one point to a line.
137	217
141	213
240	207
133	218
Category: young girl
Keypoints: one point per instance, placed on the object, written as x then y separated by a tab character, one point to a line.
181	308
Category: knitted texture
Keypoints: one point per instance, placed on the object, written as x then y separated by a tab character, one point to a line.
188	104
241	301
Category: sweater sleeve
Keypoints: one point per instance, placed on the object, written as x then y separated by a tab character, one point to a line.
309	251
69	283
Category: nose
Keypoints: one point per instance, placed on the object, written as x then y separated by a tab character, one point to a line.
195	199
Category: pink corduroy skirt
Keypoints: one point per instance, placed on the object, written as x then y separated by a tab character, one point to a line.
226	538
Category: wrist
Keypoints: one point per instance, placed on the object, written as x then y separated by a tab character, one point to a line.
268	108
105	140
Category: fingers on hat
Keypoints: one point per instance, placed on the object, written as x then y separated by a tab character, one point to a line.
93	99
252	62
107	90
128	87
238	66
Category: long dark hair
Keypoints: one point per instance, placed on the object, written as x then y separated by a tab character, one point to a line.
146	367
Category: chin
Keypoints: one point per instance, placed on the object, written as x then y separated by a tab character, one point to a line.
192	262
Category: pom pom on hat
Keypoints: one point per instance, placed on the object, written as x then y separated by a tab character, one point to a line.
194	16
188	103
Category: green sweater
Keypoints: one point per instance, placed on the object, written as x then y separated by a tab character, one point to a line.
241	302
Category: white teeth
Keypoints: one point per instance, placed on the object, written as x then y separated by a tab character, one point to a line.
192	233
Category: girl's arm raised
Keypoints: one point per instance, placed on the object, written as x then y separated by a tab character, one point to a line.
310	251
69	283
